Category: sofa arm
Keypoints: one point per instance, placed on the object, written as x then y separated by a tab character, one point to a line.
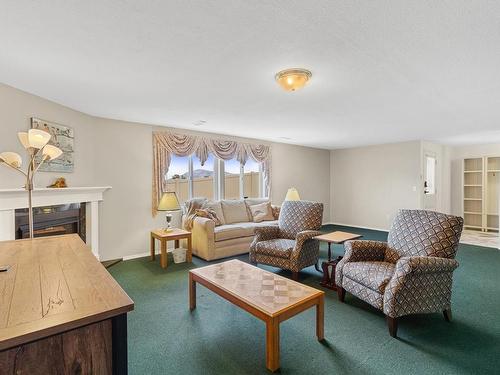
202	235
425	264
364	250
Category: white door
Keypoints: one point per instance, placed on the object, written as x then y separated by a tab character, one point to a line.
430	188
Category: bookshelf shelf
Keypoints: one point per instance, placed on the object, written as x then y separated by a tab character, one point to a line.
481	191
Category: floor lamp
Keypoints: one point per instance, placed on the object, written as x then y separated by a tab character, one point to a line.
35	142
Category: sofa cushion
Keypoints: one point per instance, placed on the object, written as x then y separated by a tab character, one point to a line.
237	230
280	247
217	208
261	212
230	231
373	275
235	211
265	223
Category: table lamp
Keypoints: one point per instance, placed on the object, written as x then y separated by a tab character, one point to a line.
169	202
292	195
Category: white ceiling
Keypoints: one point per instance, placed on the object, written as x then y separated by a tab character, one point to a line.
383	71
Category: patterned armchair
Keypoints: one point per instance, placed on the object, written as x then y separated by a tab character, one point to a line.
411	273
290	245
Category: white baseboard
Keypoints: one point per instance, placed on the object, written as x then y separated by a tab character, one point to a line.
135	256
145	254
358	226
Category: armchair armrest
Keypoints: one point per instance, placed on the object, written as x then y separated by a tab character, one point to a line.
360	251
364	250
263	234
305	235
419	285
300	240
266	233
425	264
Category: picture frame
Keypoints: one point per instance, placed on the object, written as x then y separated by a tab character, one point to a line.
62	136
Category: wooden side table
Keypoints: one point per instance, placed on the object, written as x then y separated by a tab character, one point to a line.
173	235
329	266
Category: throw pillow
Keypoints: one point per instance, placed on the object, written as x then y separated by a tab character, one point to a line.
209	214
235	211
276	211
252	202
261	212
217	207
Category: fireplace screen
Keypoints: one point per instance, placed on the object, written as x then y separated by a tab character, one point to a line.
52	221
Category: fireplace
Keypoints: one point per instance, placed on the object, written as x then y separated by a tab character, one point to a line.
52	220
87	199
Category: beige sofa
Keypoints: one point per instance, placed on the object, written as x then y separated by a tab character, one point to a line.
231	238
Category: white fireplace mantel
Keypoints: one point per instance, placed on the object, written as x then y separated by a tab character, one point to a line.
12	199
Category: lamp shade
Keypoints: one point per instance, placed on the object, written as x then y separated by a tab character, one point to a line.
169	202
12	159
23	138
37	138
51	152
292	195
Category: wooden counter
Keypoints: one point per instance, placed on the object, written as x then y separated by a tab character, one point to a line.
60	310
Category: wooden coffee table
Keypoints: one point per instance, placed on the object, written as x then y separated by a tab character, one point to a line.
164	236
267	296
337	237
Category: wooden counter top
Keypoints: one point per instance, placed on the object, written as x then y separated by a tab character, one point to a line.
55	284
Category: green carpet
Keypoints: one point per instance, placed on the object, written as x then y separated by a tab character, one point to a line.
220	338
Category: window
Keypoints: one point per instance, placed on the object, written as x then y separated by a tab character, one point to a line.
252	179
178	177
242	181
232	171
216	179
203	177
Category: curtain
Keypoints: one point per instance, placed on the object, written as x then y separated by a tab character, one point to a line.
167	143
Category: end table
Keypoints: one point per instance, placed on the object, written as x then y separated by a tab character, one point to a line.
336	237
173	235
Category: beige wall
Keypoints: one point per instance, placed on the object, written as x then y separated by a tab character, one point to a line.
119	154
370	184
16	110
306	169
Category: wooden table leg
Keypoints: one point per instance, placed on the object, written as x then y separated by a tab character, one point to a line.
163	256
192	292
152	248
272	344
320	319
189	250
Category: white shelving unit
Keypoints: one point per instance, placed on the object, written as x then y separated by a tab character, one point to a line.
481	191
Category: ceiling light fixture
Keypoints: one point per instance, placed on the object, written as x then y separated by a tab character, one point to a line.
293	79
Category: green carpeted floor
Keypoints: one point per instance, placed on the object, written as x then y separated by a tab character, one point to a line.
220	338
